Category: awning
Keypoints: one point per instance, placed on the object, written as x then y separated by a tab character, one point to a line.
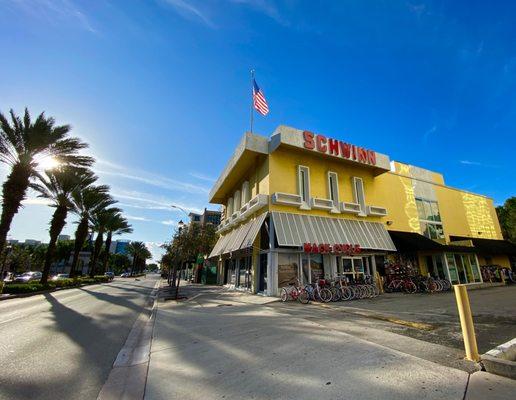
412	241
490	246
296	229
239	238
256	224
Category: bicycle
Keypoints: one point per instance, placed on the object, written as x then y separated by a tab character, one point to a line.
295	292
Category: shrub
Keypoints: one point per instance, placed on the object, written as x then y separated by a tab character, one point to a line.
68	282
30	287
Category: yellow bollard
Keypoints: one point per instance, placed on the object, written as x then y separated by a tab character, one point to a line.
466	322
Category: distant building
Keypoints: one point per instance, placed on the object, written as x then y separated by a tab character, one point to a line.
32	242
207	217
63	238
119	247
13	241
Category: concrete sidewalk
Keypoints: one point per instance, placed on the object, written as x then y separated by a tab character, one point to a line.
219	344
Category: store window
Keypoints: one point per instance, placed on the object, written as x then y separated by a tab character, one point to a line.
304	183
316	267
333	188
359	195
430	218
288	268
452	268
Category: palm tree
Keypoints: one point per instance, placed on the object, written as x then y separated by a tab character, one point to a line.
99	220
117	225
23	145
87	202
139	252
57	186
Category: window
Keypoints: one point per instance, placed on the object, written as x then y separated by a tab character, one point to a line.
238	203
245	193
430	218
288	268
359	194
304	183
230	207
333	188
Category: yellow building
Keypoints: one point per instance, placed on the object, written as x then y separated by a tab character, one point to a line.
303	205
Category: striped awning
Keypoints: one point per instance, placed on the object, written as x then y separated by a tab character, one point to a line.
296	229
239	238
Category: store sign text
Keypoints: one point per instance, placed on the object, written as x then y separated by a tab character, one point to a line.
325	248
334	147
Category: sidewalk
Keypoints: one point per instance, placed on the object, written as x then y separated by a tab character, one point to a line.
219	344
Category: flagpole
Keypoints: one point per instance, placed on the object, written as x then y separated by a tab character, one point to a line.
252	99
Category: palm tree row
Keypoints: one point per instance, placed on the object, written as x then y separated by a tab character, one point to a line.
70	187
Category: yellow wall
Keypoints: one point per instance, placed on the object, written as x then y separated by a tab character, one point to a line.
462	213
283	178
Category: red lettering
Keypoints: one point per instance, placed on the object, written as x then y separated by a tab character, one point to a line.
320	142
309	140
362	154
345	149
337	248
333	146
321	248
307	247
371	157
357	249
315	248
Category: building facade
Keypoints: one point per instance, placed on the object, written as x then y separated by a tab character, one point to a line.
210	217
300	205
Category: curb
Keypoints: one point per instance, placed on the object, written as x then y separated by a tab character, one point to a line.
128	375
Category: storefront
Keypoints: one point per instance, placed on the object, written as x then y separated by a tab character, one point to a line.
300	206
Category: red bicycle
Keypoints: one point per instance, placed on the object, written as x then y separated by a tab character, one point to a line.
295	292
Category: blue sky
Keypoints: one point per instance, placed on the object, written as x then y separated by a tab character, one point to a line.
160	88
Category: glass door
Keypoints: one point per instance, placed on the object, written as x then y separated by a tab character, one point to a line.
460	269
452	269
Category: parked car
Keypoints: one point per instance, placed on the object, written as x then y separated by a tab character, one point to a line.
28	277
125	275
110	275
60	276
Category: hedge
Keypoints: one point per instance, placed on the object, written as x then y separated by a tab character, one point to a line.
35	286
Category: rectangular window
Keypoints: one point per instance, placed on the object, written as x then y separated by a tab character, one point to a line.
359	194
430	218
288	268
246	196
333	188
304	183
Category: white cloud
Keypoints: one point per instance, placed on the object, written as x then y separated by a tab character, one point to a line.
187	9
478	164
169	222
136	218
202	177
54	11
140	200
148	178
36	201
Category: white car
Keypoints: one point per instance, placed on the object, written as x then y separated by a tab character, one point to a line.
28	276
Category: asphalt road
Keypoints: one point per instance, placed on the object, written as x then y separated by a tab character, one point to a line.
62	345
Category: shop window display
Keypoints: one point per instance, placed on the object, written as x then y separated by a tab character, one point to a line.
288	268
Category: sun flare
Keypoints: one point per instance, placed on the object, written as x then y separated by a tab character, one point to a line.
47	163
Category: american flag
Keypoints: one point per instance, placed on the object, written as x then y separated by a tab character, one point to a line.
259	102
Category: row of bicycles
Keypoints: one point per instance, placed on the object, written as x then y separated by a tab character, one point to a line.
415	284
327	290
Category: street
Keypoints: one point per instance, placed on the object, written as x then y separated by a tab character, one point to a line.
62	345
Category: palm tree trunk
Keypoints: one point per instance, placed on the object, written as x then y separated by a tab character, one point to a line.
106	252
134	264
56	226
13	192
80	237
96	251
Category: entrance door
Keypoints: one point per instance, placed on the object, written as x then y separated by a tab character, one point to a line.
461	269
